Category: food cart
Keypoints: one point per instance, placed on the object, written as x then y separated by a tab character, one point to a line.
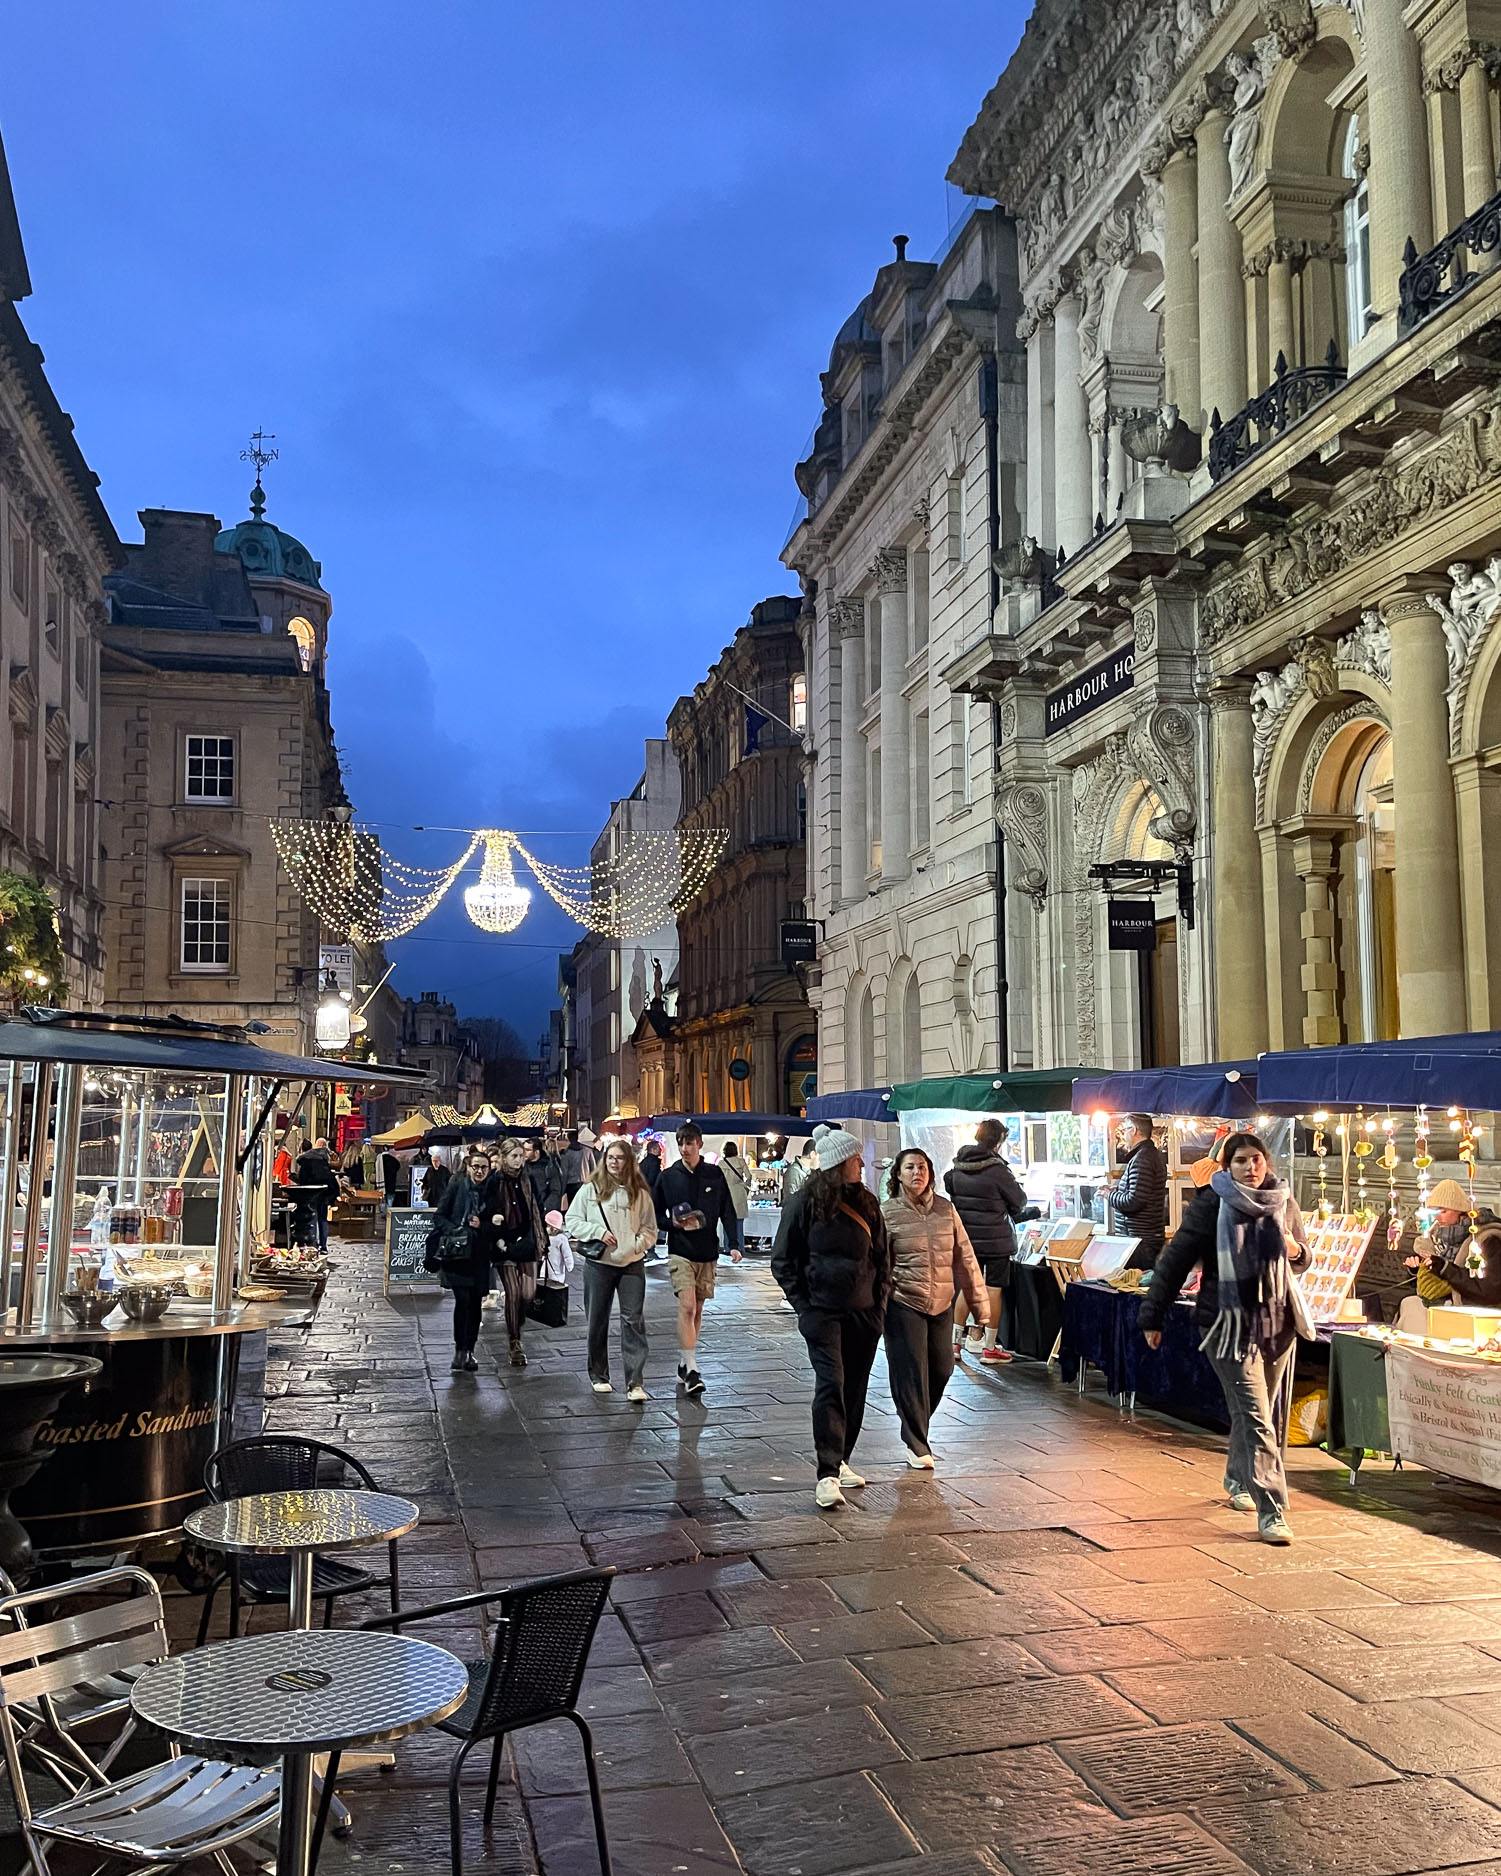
135	1198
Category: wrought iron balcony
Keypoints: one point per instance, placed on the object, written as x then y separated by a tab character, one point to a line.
1288	398
1429	281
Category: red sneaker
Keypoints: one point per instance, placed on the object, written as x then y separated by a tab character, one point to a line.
996	1354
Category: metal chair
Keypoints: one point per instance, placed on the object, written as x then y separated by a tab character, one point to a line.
167	1814
542	1640
282	1463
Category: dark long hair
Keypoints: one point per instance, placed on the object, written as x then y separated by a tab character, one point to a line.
1233	1144
827	1187
894	1177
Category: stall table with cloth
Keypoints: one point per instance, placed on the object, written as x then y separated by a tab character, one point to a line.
1100	1329
1032	1313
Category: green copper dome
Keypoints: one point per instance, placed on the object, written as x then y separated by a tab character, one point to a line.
267	551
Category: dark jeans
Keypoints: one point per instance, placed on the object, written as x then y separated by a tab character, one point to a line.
1255	1387
322	1228
603	1284
919	1359
468	1303
841	1349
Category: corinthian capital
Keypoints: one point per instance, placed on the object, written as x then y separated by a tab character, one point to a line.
847	617
890	570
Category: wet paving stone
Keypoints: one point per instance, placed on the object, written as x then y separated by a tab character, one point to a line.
1160	1602
1317	1753
1381	1830
1092	1650
1175	1768
853	1634
638	1750
831	1827
1424	1735
1218	1690
734	1651
1221	1637
779	1693
989	1798
651	1833
823	1745
1406	1673
1167	1846
1022	1713
1026	1612
949	1666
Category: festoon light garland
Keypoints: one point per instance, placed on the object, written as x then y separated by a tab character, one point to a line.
360	891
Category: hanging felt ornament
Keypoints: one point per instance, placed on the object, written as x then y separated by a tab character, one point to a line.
1321	1154
1365	1146
1422	1159
1393	1204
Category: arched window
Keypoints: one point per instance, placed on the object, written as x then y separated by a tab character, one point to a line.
1357	239
307	641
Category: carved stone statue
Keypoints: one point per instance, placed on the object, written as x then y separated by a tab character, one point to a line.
1090	288
1469	608
1368	647
1271	693
656	980
1249	77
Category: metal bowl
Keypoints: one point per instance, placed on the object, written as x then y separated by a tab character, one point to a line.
88	1308
146	1302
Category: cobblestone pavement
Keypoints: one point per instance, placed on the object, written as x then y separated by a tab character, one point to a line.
1062	1654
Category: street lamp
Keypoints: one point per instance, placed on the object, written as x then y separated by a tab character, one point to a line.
332	1028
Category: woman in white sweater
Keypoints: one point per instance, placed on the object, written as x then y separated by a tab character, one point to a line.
613	1222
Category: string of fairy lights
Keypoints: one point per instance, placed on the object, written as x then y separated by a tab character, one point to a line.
358	890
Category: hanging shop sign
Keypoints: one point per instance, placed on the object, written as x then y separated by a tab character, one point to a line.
1132	924
799	941
1085	693
739	1069
337	961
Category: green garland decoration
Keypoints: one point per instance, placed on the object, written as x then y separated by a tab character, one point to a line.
30	944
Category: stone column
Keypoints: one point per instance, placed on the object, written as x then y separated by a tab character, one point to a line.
1281	330
1446	151
1313	838
1400	182
848	619
1041	514
1222	310
1430	950
1236	907
1180	296
1074	511
896	778
1475	136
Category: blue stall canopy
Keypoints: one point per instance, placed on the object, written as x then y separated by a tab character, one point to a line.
859	1104
1418	1071
1210	1090
738	1125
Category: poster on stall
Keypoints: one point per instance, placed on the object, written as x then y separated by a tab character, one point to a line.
1445	1414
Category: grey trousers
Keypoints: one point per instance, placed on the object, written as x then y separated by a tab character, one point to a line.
1255	1388
603	1283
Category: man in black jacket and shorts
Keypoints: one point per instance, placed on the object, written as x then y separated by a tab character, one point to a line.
692	1198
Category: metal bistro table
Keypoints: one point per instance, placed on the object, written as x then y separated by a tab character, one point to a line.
299	1525
294	1695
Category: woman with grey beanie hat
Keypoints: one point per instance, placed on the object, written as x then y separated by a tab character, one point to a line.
834	1265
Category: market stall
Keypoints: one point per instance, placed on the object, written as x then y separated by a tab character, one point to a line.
764	1142
135	1187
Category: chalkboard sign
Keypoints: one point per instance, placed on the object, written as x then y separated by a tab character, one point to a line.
407	1232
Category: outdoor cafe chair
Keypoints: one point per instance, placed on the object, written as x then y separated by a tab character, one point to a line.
543	1635
284	1463
71	1670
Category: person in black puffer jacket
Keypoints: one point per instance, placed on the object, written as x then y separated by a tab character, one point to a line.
1138	1202
990	1204
469	1199
834	1265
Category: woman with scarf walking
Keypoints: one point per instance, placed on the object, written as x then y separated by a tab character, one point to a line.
1245	1230
460	1249
520	1240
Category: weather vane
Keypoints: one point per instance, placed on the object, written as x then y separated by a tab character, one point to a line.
260	456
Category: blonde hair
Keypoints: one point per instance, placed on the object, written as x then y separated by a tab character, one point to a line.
634	1181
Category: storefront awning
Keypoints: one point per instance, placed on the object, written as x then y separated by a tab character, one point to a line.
734	1124
102	1040
1214	1090
859	1104
1418	1071
1022	1091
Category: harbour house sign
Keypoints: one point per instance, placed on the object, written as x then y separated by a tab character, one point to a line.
1090	689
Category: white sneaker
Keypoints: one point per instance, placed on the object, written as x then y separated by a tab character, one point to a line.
975	1339
827	1494
848	1477
602	1387
492	1297
637	1393
920	1462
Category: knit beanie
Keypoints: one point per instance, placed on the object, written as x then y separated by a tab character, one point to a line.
1448	1196
834	1146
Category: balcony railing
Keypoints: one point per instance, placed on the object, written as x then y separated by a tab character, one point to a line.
1287	399
1429	281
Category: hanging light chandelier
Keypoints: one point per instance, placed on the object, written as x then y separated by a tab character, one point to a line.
496	903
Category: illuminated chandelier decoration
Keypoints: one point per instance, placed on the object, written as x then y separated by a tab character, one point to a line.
359	891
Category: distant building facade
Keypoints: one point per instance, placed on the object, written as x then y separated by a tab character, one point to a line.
434	1040
744	1033
56	546
914	480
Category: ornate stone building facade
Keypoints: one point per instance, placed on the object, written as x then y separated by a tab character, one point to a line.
56	545
1249	637
914	481
744	1037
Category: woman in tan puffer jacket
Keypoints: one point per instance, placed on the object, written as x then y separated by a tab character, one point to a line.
931	1261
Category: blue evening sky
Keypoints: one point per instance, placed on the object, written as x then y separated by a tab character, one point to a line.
535	300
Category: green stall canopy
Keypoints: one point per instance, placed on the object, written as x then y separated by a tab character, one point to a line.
1023	1091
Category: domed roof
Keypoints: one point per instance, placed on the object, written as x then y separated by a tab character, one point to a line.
267	550
856	330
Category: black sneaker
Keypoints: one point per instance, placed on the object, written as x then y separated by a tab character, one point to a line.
693	1383
456	1366
471	1365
